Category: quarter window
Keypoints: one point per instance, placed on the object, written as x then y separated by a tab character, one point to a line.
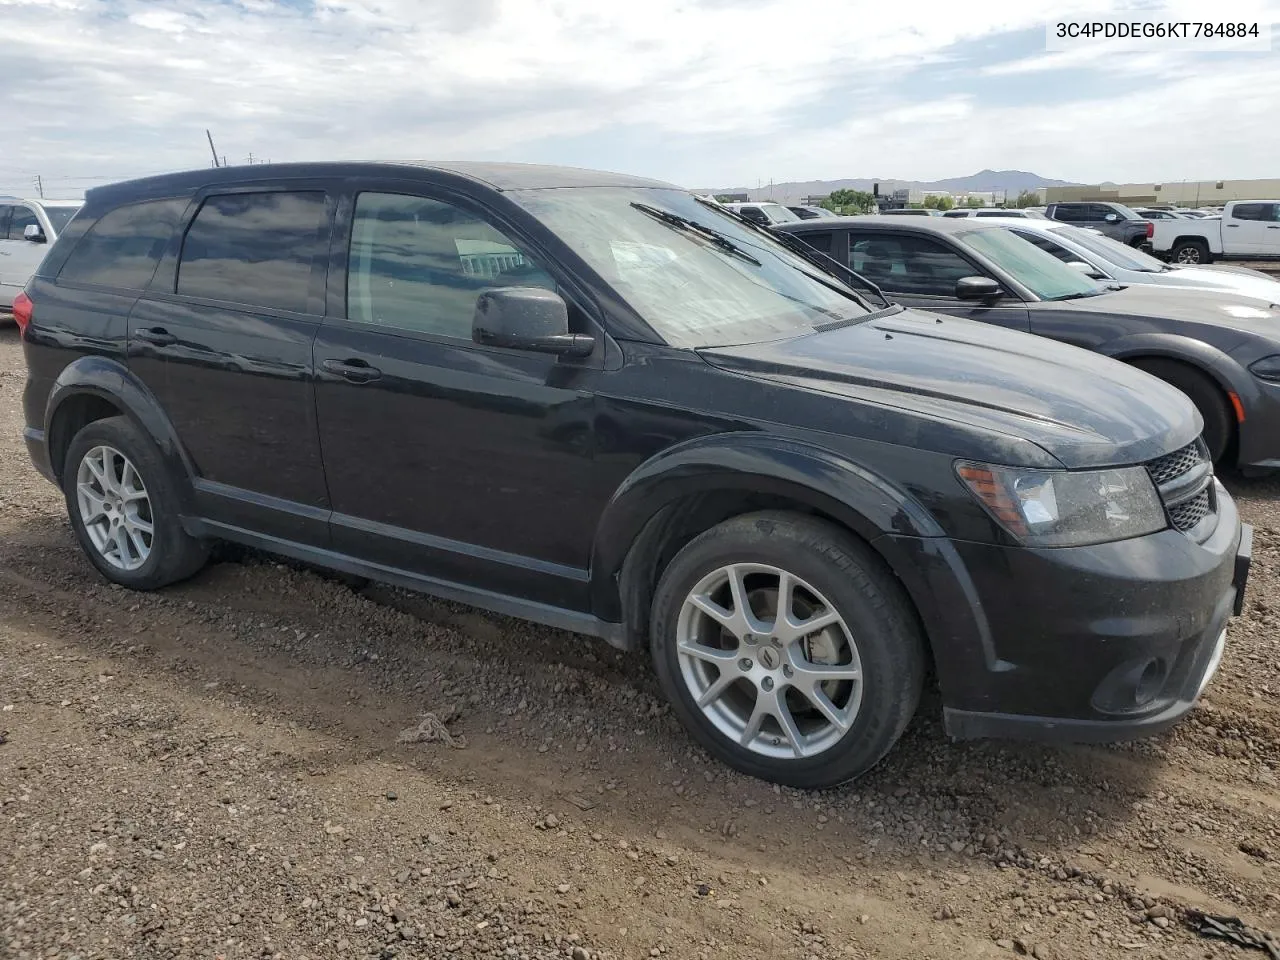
255	248
418	264
905	264
123	248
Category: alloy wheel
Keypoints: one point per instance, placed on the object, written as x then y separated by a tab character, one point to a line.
115	508
769	661
1188	255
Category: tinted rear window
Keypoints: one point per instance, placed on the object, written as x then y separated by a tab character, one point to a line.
123	248
254	248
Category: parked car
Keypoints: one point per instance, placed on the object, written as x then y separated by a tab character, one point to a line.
1102	258
1114	219
1023	213
911	212
1195	214
1148	214
595	401
27	227
1221	350
811	213
1247	230
764	213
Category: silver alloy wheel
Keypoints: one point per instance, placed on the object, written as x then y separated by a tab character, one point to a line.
1189	255
769	661
115	508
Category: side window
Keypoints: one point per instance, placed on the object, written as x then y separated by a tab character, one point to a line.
123	248
819	241
905	264
1048	246
4	222
1249	211
254	248
1275	212
1068	214
20	219
755	215
418	264
1097	212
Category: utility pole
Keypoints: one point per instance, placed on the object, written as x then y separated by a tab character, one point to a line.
39	185
212	150
251	158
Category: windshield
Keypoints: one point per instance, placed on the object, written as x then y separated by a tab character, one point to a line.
1125	212
692	291
778	213
1042	273
59	217
1113	251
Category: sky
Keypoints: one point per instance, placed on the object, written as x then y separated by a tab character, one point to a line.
704	93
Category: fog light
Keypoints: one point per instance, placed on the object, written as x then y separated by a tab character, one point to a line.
1149	682
1132	686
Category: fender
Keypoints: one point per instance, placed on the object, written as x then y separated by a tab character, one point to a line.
112	381
1196	353
751	463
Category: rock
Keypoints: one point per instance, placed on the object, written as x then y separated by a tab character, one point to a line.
1090	915
551	821
391	795
579	954
563	888
1161	922
1004	944
453	898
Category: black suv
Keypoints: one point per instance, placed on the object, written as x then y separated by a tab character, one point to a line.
603	404
1114	219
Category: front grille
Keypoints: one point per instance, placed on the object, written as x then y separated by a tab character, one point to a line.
1188	513
1184	479
1173	465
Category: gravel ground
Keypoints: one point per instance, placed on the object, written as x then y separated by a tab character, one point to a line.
222	770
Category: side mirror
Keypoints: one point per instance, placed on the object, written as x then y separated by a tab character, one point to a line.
1111	218
33	233
977	288
527	318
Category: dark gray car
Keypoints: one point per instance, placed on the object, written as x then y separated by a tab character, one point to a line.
1220	349
1114	219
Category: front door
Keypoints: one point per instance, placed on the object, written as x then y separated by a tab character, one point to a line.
459	462
223	339
921	272
1246	230
19	256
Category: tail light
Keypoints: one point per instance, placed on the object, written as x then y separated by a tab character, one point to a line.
22	308
1151	229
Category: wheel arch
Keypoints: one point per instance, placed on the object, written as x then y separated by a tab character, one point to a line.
691	487
94	388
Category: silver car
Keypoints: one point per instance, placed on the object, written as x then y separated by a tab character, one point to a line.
1102	258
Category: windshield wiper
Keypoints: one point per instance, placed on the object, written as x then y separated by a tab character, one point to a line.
1074	296
805	252
693	226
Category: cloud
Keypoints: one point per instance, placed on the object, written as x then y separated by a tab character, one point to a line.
699	91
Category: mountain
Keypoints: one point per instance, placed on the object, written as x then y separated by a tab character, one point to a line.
1012	182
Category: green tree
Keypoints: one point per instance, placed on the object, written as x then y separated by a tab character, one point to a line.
931	203
850	202
974	202
1027	198
946	202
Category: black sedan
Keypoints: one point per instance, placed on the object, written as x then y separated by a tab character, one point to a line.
1221	350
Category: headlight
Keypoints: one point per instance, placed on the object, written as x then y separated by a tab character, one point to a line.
1060	508
1268	368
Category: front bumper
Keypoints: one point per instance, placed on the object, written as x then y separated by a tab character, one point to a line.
1099	643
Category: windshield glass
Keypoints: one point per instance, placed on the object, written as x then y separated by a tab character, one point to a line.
778	213
693	292
1125	212
60	216
1042	273
1113	251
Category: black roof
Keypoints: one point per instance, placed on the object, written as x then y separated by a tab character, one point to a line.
499	176
896	224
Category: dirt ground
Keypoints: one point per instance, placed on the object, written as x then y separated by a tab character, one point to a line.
220	770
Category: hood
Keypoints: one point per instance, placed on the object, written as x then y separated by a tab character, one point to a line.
1081	408
1245	283
1222	308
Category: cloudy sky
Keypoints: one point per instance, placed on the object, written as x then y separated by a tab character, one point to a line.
701	92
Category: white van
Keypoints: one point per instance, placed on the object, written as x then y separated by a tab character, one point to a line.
27	229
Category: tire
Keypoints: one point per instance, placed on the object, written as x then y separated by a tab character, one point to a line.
1204	392
1190	252
141	490
876	634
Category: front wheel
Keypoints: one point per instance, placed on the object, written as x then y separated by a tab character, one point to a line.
787	649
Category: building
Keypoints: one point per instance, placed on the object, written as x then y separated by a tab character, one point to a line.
733	197
1185	193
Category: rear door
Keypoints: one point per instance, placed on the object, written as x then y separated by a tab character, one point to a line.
921	271
223	339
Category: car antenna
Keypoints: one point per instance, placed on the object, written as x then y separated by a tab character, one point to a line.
211	147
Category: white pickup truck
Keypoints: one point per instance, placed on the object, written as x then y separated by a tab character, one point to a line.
1247	230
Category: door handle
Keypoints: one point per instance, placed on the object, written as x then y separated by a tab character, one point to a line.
157	336
1273	227
353	371
1232	226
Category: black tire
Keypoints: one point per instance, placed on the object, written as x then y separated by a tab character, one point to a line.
880	618
1204	392
1190	252
174	555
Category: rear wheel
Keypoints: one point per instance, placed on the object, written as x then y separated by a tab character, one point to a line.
1190	251
123	506
1204	392
787	649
